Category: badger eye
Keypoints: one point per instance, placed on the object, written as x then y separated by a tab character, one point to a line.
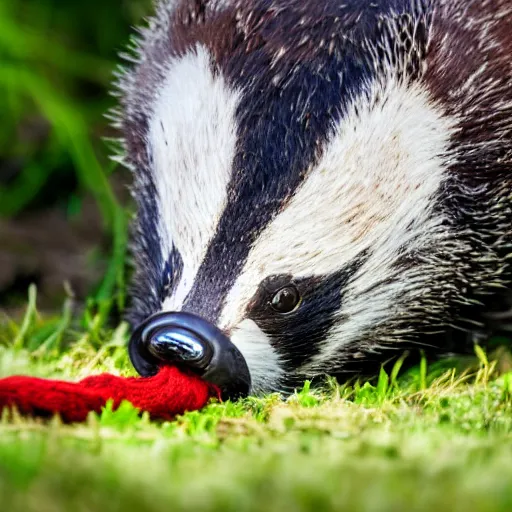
286	299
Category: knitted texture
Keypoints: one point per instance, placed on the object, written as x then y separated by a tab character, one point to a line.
170	392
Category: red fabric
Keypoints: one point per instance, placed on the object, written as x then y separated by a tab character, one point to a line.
163	396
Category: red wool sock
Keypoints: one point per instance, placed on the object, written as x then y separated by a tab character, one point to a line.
163	396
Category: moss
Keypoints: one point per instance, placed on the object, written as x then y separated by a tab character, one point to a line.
415	440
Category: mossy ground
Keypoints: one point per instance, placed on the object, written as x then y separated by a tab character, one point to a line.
424	439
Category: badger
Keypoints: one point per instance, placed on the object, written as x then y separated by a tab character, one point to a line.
319	184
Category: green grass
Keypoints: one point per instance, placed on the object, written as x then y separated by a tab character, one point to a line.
58	60
424	439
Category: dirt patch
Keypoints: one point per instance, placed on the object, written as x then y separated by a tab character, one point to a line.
49	249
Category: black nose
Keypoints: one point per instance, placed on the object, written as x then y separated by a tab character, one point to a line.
189	340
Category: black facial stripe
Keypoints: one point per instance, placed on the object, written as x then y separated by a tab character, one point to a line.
280	129
147	253
163	276
173	270
297	336
155	279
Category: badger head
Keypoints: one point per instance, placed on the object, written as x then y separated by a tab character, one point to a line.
299	170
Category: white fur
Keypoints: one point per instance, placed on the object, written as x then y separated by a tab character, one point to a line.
374	188
193	138
262	360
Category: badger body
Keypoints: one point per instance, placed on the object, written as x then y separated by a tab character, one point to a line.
326	182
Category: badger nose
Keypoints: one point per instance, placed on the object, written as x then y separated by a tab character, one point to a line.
191	341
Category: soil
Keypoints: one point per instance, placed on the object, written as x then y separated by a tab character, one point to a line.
47	248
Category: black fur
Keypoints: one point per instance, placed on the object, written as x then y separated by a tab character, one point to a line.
298	336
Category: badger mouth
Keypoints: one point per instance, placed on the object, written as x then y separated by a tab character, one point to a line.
189	341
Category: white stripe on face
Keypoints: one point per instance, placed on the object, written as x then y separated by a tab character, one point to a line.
193	138
263	362
374	188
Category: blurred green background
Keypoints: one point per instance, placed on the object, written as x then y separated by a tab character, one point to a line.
64	205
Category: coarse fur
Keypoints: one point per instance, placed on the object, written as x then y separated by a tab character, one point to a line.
359	151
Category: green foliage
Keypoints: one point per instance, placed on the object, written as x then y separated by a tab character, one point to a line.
57	64
428	436
411	440
59	345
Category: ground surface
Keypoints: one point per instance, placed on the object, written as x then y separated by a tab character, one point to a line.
429	439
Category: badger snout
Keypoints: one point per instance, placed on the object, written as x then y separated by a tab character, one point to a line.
190	341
